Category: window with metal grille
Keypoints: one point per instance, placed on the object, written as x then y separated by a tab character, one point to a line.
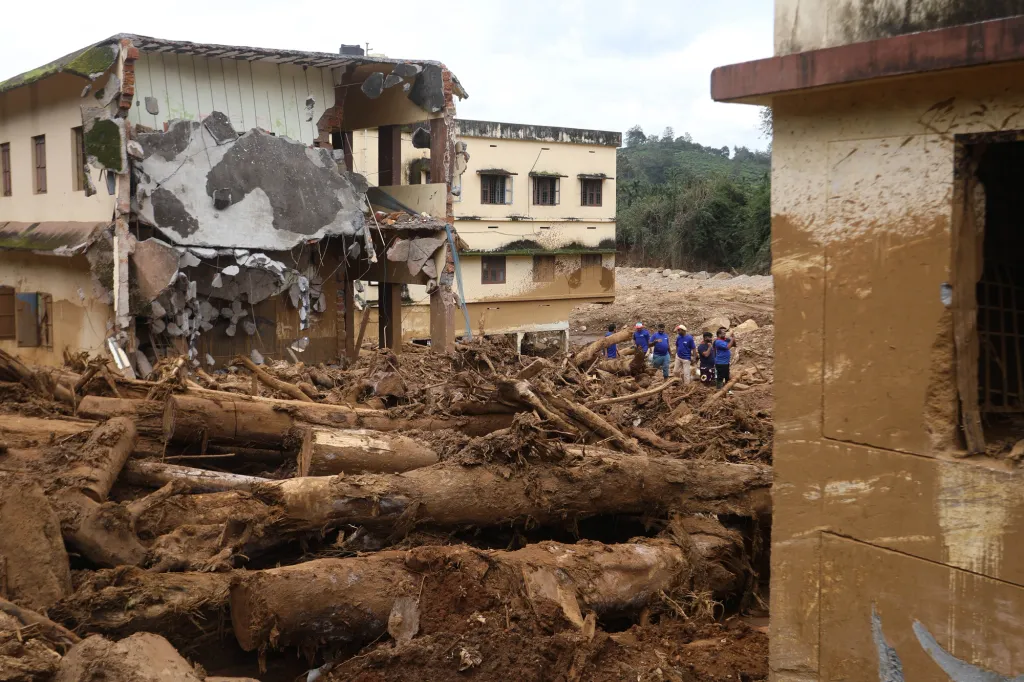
545	191
543	268
39	159
7	313
492	270
5	168
495	189
590	192
78	169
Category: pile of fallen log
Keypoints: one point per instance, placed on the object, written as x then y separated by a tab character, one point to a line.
281	506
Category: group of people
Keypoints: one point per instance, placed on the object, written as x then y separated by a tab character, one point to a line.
713	357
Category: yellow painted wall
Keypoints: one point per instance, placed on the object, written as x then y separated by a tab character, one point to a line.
79	319
50	107
873	507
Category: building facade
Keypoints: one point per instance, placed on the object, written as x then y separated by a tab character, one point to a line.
535	215
899	278
161	196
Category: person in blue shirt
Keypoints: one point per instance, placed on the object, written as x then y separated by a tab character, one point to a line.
723	357
685	347
642	338
613	350
659	342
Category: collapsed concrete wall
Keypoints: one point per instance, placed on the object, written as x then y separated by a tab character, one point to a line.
203	184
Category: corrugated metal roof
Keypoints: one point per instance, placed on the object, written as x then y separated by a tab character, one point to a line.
251	54
55	238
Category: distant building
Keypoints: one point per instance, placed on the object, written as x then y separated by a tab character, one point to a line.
535	215
898	255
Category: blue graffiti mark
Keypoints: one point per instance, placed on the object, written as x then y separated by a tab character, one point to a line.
958	671
890	667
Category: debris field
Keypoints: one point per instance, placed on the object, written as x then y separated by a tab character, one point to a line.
411	516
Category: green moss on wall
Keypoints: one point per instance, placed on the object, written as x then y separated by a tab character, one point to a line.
85	62
104	141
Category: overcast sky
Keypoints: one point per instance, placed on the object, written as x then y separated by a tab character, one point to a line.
603	64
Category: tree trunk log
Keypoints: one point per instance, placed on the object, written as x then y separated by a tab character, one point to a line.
119	602
351	599
158	474
636	396
146	414
594	350
349	451
102	457
453	495
595	423
267	423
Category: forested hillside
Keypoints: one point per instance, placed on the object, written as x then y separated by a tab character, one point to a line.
684	205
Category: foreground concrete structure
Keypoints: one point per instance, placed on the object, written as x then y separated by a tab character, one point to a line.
899	273
162	196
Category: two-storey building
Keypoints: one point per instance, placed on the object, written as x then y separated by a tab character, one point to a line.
535	215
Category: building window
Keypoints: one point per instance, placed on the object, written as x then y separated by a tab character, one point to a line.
5	168
78	170
590	194
33	320
7	313
495	189
545	191
543	268
591	263
39	159
492	270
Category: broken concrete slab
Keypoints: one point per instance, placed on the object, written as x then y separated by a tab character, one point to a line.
373	86
428	90
415	252
152	105
407	70
263	191
421	138
104	139
392	80
219	126
156	267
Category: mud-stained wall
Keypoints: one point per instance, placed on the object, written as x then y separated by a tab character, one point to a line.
50	107
873	509
79	319
802	25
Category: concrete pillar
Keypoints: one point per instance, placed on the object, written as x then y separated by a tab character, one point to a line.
442	169
348	296
389	315
389	155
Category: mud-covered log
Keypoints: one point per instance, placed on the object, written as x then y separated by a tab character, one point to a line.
147	415
29	618
336	451
597	348
158	474
34	568
226	419
101	459
594	422
350	600
450	494
120	602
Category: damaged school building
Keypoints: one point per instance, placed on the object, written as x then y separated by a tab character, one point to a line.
161	197
898	258
535	214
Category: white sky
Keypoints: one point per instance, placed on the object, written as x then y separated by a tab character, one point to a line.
602	64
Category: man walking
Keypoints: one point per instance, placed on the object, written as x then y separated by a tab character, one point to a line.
661	354
642	338
685	347
613	350
723	357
